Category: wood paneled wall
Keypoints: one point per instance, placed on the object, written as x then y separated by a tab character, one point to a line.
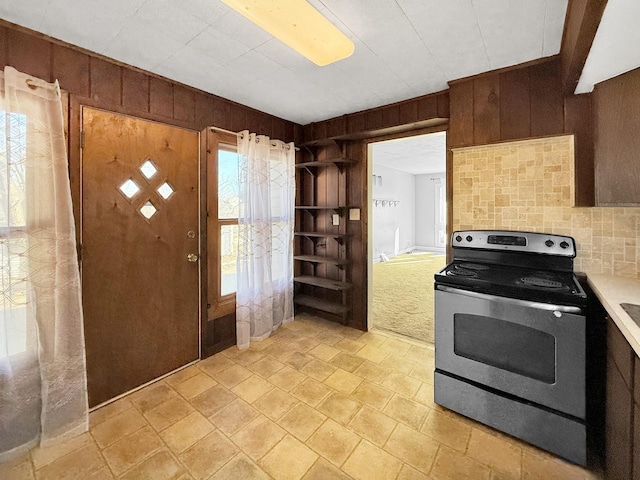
113	86
617	139
425	111
520	103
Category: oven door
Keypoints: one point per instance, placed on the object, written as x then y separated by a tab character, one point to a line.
535	351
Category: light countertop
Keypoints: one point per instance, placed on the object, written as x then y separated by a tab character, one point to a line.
612	291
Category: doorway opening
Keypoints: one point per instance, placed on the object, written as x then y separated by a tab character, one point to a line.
407	232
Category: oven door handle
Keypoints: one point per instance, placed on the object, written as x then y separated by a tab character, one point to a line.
512	301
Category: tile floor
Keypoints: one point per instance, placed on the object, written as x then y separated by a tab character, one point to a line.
316	401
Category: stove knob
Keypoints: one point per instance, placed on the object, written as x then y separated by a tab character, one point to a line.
549	243
458	238
469	238
564	244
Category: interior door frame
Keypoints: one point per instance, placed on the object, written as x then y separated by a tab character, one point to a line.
74	148
369	189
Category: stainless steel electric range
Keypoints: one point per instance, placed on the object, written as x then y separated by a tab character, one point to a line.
510	337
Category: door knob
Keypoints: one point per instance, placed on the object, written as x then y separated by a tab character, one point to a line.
192	257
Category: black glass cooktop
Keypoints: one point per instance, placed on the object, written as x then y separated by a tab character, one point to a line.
514	281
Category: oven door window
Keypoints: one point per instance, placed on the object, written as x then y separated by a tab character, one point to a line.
505	345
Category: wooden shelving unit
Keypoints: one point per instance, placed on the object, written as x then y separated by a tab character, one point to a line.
321	250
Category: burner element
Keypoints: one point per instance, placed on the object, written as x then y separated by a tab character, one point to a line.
473	266
458	271
538	282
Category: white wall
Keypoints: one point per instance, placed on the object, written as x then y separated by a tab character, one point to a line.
393	226
425	210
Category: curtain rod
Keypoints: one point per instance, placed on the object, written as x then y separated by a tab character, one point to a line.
218	129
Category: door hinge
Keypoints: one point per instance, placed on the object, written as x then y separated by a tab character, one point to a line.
82	139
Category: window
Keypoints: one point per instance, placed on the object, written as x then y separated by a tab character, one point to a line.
228	211
13	239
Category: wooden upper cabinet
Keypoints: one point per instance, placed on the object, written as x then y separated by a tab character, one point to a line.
617	140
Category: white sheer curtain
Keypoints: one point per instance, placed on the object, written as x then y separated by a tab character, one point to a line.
43	387
264	297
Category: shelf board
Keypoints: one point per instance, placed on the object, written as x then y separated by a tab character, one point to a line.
322	282
321	259
319	304
321	235
326	163
314	208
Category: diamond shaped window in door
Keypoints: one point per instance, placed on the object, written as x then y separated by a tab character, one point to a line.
165	190
129	189
148	210
148	169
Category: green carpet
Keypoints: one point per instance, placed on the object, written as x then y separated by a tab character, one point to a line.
403	294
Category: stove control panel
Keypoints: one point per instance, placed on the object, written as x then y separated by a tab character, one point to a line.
530	242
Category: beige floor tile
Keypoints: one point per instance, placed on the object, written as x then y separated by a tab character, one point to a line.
275	403
368	462
234	416
266	367
495	452
329	338
152	396
311	391
259	346
333	441
372	372
324	352
17	470
208	455
213	400
318	369
44	456
421	354
233	351
542	466
258	437
424	395
304	344
447	429
287	378
349	346
247	357
117	427
372	425
398	364
343	381
297	360
406	411
402	384
277	350
102	474
301	421
111	410
168	413
241	467
452	465
232	376
339	407
215	364
373	338
130	450
410	473
412	447
288	460
76	465
182	375
346	361
195	385
423	372
372	395
159	466
252	388
323	470
373	354
396	346
184	433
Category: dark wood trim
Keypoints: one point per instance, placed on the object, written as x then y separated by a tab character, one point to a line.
581	24
531	63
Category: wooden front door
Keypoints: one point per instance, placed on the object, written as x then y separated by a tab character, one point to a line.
140	280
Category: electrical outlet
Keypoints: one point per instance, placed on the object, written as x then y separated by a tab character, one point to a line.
354	214
336	219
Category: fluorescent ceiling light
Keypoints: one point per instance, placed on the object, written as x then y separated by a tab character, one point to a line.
299	25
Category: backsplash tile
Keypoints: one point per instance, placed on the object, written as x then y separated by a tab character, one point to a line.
528	186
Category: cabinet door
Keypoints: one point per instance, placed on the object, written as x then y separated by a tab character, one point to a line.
619	418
